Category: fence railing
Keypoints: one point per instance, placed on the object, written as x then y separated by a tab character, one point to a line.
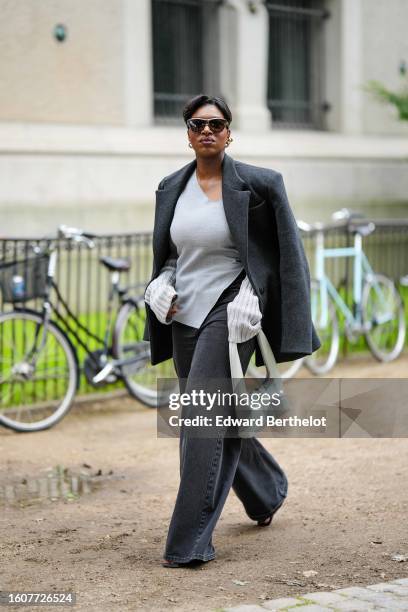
386	249
84	282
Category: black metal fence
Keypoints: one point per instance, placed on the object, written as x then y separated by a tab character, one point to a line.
84	282
386	249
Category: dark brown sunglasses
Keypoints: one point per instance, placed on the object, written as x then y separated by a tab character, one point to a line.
216	125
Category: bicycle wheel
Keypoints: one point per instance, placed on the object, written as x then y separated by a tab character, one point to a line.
383	318
322	360
140	377
38	375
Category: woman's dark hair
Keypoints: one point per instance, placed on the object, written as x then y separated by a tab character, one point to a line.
200	100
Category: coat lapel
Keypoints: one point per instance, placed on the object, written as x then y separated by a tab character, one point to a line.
235	199
166	200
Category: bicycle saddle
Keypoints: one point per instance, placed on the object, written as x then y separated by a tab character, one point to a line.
363	230
118	265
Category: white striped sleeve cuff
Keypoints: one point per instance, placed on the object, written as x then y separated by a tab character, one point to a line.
244	315
160	293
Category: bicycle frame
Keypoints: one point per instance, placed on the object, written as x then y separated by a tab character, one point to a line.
42	369
68	317
362	270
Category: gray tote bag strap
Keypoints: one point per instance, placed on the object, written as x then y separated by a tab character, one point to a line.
268	357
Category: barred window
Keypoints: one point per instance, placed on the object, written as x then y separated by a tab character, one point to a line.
296	68
185	54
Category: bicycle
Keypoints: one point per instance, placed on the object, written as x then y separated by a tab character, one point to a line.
39	365
377	312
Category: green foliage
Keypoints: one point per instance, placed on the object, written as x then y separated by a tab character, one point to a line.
397	99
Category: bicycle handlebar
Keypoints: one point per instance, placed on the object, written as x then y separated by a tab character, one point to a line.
319	226
77	235
346	214
341	218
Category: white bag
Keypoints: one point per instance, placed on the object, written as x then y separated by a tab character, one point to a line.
272	386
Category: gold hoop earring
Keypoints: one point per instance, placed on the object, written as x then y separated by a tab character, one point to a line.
228	142
190	145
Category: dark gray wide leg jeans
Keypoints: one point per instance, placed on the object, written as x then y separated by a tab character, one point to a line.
209	467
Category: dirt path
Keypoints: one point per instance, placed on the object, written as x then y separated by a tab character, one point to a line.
345	516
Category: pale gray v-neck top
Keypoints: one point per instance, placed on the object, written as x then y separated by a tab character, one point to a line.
207	259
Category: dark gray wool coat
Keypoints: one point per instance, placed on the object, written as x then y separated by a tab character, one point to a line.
266	235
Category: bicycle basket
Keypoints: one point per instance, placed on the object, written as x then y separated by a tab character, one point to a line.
24	279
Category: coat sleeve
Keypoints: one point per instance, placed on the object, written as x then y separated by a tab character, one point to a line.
298	337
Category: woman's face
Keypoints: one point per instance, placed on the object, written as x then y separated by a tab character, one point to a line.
208	142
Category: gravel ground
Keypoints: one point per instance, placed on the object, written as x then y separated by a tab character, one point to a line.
344	518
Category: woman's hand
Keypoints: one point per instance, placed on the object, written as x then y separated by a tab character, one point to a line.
172	310
160	295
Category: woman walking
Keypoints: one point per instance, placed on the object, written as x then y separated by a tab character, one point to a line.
228	261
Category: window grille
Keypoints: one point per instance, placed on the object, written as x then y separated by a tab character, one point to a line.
185	54
296	63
